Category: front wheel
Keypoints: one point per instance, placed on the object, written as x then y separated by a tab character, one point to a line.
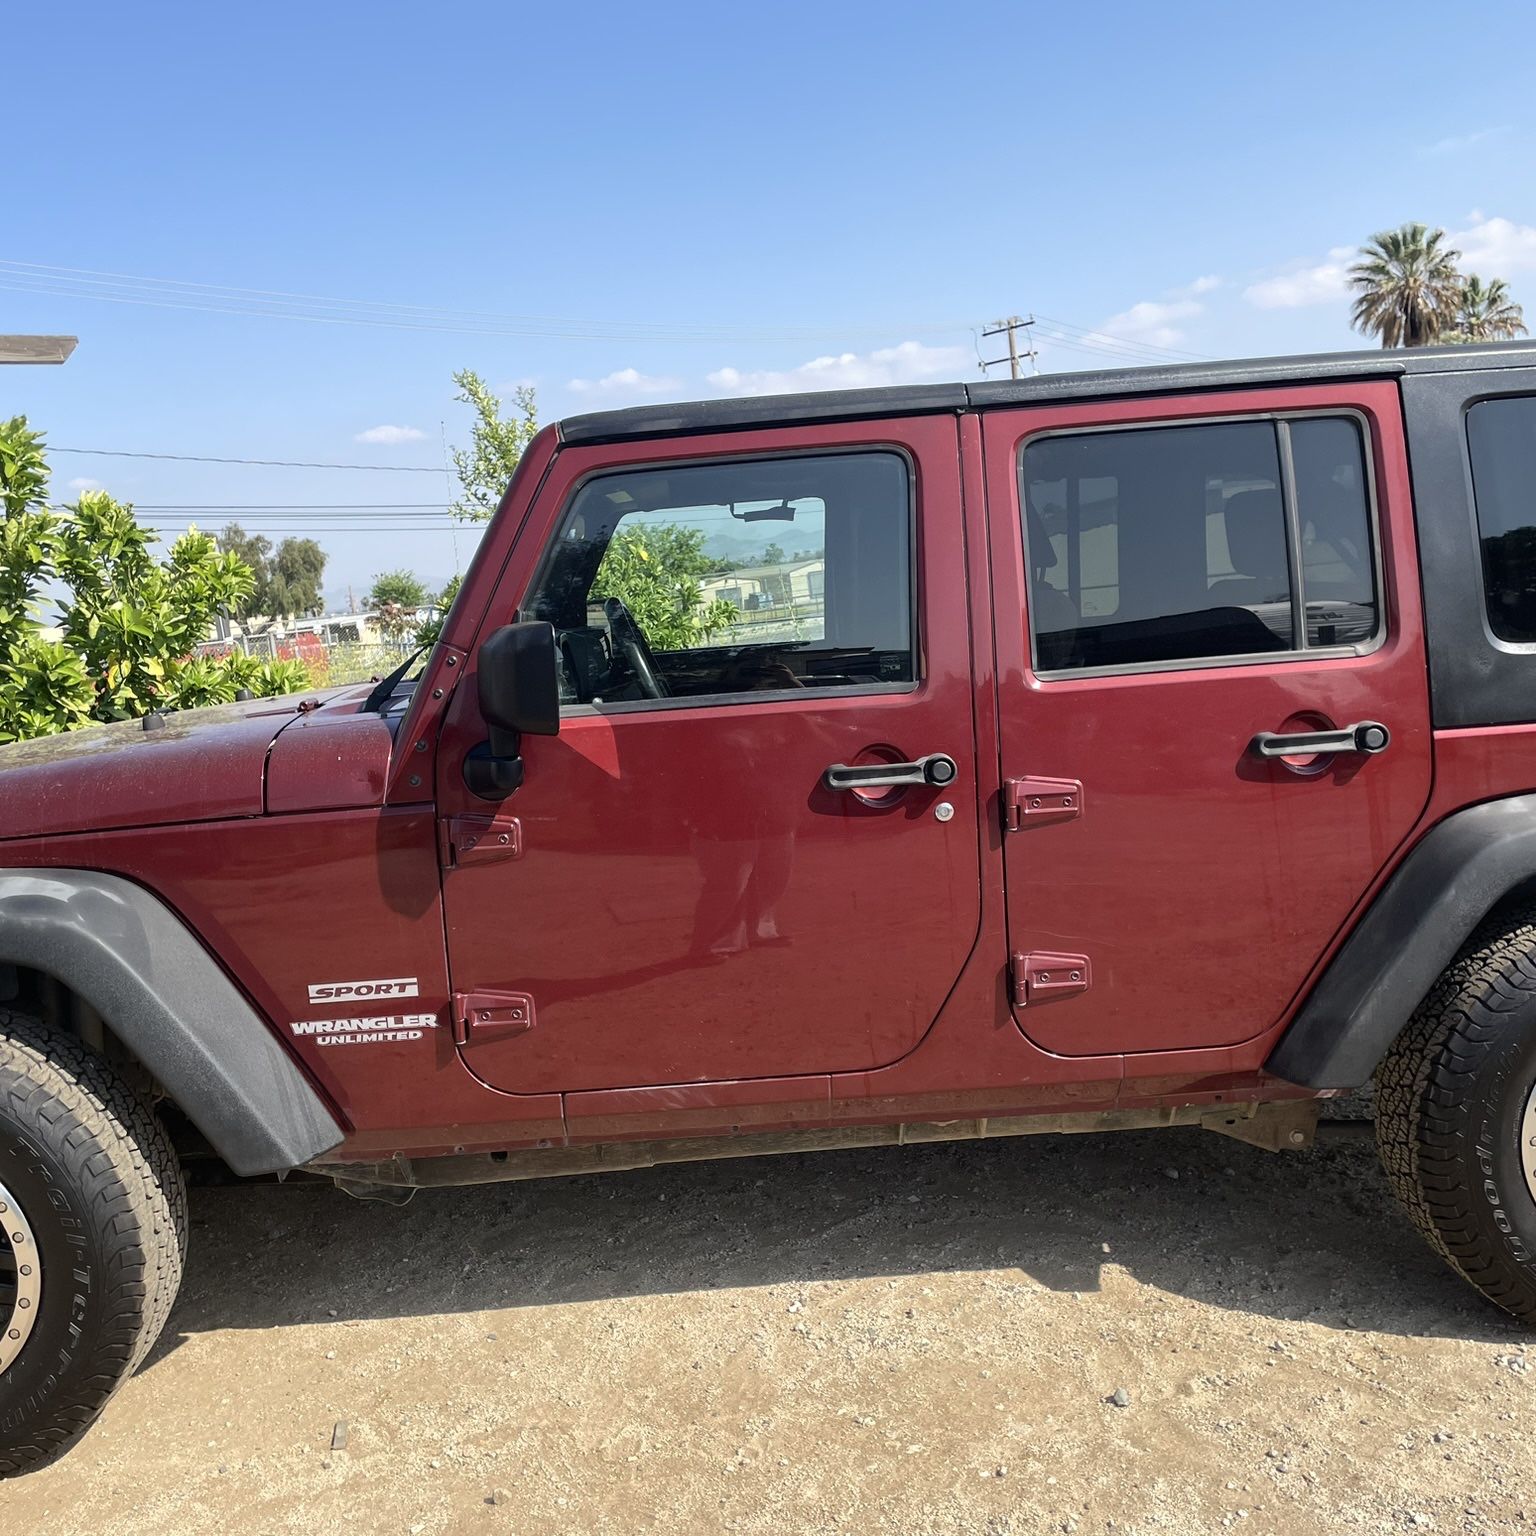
92	1238
1456	1113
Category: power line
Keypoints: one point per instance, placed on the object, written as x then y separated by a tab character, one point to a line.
203	458
1121	343
175	293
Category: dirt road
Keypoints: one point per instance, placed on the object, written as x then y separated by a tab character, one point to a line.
921	1341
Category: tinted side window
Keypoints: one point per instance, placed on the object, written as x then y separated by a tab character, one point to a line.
741	576
1165	544
1338	558
1501	437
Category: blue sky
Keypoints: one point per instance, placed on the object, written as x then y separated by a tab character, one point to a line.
621	203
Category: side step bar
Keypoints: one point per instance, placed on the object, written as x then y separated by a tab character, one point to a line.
1283	1125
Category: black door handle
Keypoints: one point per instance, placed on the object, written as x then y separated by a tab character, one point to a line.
935	770
1368	736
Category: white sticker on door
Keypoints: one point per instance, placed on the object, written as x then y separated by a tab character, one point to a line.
382	1030
343	991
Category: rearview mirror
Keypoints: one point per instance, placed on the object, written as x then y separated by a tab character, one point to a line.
519	692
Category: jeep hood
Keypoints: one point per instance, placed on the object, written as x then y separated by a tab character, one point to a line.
193	765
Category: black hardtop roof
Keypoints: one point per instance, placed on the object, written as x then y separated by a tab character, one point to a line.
1049	388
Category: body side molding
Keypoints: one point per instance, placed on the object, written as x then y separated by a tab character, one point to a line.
1449	881
160	992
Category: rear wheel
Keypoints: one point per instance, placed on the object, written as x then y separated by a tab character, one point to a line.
1456	1113
93	1215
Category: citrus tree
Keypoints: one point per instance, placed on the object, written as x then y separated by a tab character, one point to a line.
657	571
93	626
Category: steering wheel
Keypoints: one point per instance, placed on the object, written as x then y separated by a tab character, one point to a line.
630	644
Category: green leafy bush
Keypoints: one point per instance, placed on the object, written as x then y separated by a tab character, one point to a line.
127	625
657	572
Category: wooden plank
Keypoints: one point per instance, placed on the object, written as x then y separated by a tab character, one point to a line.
36	349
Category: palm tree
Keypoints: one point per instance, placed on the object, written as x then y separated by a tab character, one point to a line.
1486	312
1407	288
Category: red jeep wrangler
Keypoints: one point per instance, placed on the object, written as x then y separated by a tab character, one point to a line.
1114	750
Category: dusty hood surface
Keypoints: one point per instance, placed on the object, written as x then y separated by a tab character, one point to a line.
198	765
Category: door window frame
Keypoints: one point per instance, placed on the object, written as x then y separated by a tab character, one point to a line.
1303	652
546	559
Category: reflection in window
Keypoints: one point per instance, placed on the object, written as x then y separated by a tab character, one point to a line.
1163	544
741	576
1501	437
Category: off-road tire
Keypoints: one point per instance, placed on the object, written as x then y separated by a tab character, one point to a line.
93	1172
1450	1097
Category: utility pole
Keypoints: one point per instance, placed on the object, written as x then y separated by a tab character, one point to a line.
1012	326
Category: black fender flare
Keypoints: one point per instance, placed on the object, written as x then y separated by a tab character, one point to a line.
1448	883
122	950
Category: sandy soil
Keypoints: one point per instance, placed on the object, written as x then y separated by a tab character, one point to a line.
927	1340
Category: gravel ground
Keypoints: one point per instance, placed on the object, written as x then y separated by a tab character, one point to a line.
1151	1332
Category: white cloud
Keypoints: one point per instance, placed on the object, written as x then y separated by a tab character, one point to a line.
1195	289
1323	284
911	362
84	483
1490	247
389	436
626	381
1151	322
1458	142
1496	247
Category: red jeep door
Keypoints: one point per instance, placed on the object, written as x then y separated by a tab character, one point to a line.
1176	581
692	901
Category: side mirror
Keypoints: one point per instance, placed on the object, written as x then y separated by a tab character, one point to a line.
519	691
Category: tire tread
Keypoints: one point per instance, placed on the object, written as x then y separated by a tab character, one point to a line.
116	1152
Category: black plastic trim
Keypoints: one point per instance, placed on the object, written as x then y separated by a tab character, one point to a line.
1460	870
644	421
160	992
1475	678
762	410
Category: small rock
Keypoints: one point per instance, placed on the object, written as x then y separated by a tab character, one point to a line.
496	1496
1170	1173
339	1435
1119	1397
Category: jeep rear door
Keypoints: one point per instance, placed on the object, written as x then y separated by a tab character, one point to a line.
1177	581
681	897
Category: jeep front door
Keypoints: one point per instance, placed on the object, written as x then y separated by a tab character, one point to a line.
693	897
1179	583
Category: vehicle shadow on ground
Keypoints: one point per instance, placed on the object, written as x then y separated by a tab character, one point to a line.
1312	1236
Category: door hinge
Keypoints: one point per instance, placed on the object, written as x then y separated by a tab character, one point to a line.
1037	802
1038	978
482	1013
479	839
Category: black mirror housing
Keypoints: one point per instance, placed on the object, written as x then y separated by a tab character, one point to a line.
519	681
519	692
